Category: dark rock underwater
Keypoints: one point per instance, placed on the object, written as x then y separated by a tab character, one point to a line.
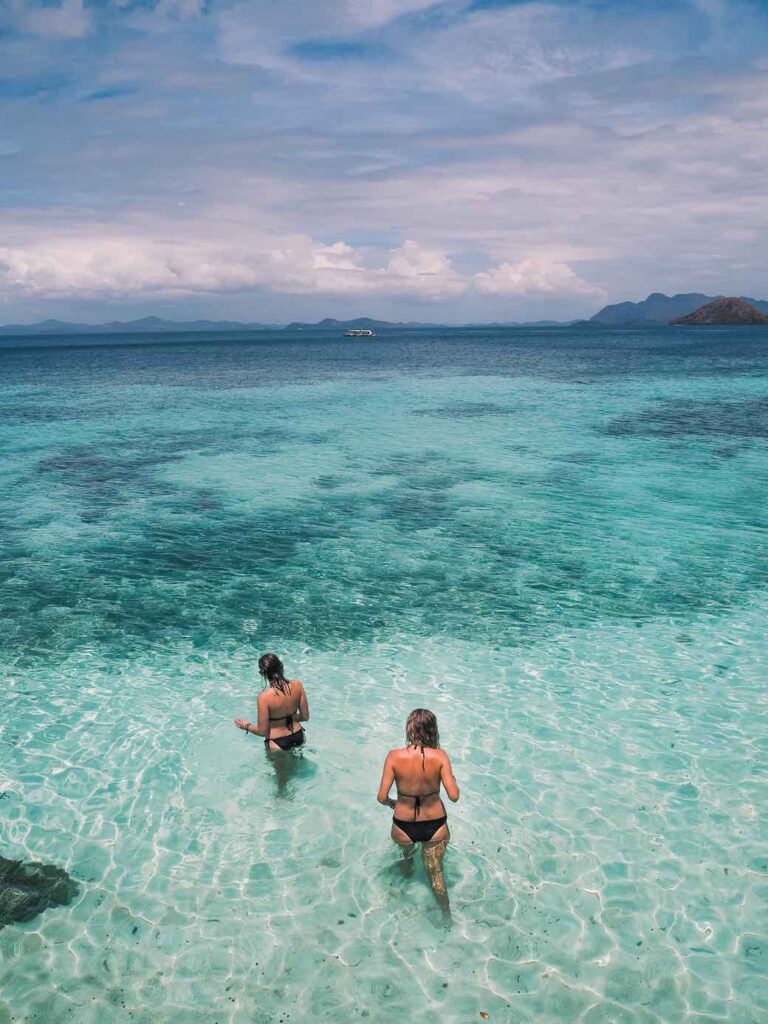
27	888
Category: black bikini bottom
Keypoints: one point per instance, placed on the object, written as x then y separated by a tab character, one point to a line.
294	739
420	831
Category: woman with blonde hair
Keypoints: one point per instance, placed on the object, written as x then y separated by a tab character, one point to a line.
419	770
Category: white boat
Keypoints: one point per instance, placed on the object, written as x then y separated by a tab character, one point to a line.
359	332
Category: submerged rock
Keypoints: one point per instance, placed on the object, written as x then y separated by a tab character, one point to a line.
28	887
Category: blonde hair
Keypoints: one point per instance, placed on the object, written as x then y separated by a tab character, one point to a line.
421	729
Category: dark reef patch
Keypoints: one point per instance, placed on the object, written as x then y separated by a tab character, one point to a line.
745	418
27	888
467	410
89	467
103	479
580	458
105	474
329	481
20	413
340	566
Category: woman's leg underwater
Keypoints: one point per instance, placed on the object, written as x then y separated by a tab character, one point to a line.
433	854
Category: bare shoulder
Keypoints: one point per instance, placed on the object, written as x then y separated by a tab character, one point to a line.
443	756
297	683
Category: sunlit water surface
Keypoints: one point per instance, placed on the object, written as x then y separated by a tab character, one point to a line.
554	539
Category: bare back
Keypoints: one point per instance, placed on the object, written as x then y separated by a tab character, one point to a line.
418	776
283	711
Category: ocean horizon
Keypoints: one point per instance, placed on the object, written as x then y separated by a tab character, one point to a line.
554	538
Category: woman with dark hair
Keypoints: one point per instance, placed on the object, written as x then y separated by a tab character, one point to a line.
281	706
418	770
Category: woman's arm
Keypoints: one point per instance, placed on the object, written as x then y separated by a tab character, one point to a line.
303	715
448	780
387	778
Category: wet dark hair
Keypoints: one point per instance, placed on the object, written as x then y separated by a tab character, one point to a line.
421	729
271	669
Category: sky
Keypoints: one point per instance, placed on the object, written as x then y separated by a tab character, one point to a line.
452	161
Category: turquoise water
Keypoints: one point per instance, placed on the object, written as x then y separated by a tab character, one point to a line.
554	539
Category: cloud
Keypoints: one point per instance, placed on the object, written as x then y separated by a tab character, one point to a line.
426	272
68	20
181	8
267	35
121	266
494	52
532	277
127	266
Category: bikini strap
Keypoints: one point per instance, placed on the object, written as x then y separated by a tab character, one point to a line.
417	798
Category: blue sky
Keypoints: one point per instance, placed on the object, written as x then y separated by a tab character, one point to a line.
457	160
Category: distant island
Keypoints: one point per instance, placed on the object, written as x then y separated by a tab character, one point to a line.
729	311
660	309
156	325
365	322
655	311
146	325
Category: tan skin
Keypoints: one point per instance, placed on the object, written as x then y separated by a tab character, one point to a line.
419	777
274	704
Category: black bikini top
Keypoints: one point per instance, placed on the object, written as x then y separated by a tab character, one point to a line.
417	798
288	719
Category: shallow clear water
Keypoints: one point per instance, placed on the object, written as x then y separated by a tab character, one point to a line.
554	539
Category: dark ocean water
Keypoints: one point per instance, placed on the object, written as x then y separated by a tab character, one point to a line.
576	440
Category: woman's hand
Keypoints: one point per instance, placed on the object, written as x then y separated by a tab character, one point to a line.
241	723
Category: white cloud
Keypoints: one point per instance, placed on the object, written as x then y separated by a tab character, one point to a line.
422	271
129	265
374	13
297	19
494	51
534	277
260	35
121	266
125	266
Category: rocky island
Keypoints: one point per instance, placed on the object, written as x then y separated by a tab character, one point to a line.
724	312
